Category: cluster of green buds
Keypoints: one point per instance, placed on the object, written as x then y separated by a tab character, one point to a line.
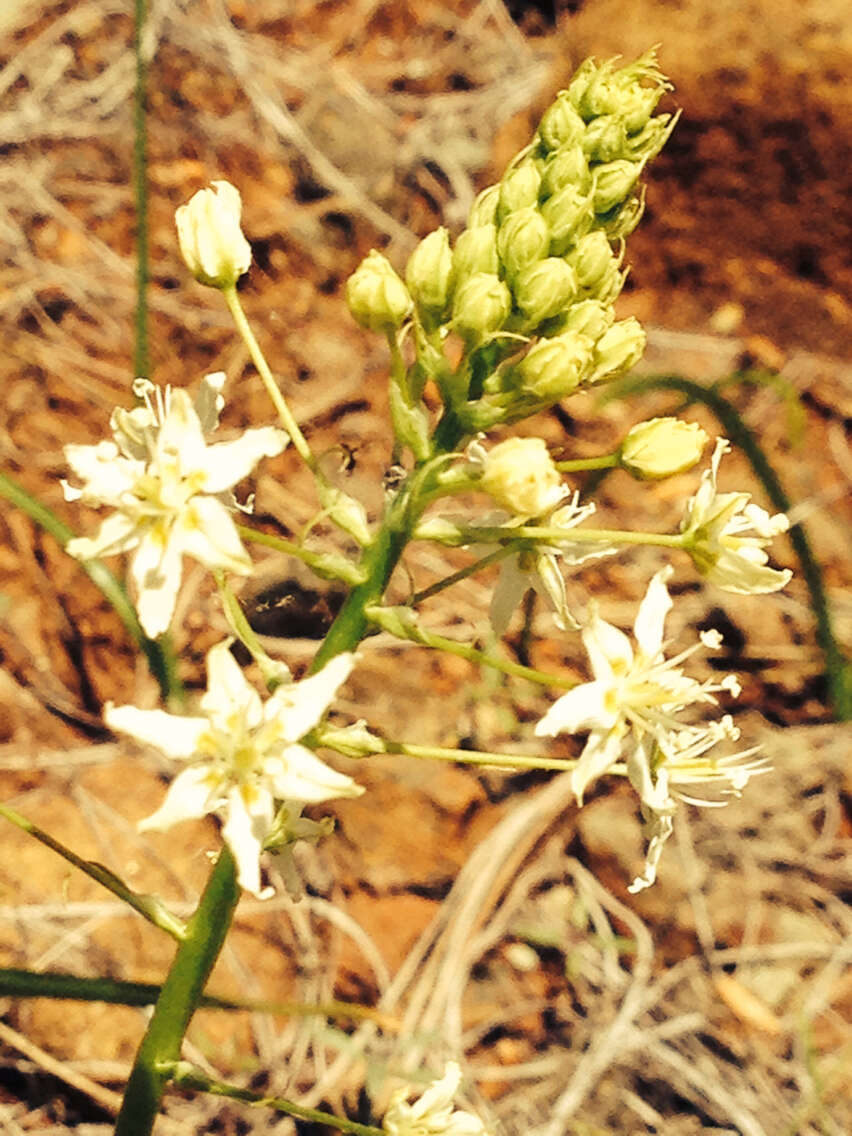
529	285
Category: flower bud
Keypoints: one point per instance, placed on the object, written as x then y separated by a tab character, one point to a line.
661	448
519	188
566	166
520	476
589	317
554	368
522	239
618	349
648	142
484	208
579	84
613	182
376	296
476	251
560	124
211	241
429	273
568	215
481	306
592	258
605	138
608	287
624	220
621	92
544	289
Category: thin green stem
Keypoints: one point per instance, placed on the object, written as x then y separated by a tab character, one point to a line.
161	659
271	670
510	761
141	360
463	574
160	1048
148	906
579	465
555	536
258	358
186	1076
413	633
327	566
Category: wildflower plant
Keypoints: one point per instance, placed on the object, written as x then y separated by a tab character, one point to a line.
511	316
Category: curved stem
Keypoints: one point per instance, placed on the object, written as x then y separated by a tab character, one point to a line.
325	565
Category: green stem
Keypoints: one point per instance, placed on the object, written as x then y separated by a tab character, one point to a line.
278	401
326	566
186	1076
160	1048
579	465
160	657
510	761
141	360
386	619
463	574
148	906
838	667
555	536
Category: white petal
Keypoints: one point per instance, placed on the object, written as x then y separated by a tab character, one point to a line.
156	573
207	532
583	708
300	706
601	751
508	593
227	688
192	794
226	463
174	734
651	617
299	775
117	533
180	438
244	832
209	401
608	648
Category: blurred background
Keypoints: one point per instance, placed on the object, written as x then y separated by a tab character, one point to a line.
719	1001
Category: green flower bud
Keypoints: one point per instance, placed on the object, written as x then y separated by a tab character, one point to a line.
592	258
567	166
481	306
618	349
624	218
579	84
484	208
519	188
560	124
544	289
522	239
590	317
608	287
429	273
553	368
520	476
569	215
605	138
623	91
661	448
376	296
614	181
648	142
476	251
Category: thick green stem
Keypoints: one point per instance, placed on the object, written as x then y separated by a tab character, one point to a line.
160	1048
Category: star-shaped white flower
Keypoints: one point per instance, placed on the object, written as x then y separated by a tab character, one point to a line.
169	490
433	1114
726	536
244	755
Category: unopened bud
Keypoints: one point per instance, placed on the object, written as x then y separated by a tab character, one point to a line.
648	142
476	251
481	306
484	208
618	349
519	475
605	138
544	289
614	181
590	318
376	296
560	124
624	91
429	273
569	215
519	188
625	219
661	448
211	241
567	166
554	368
522	239
592	258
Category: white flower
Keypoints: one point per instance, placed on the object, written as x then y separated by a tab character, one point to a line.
714	526
633	703
433	1114
635	696
168	490
539	568
244	754
210	238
